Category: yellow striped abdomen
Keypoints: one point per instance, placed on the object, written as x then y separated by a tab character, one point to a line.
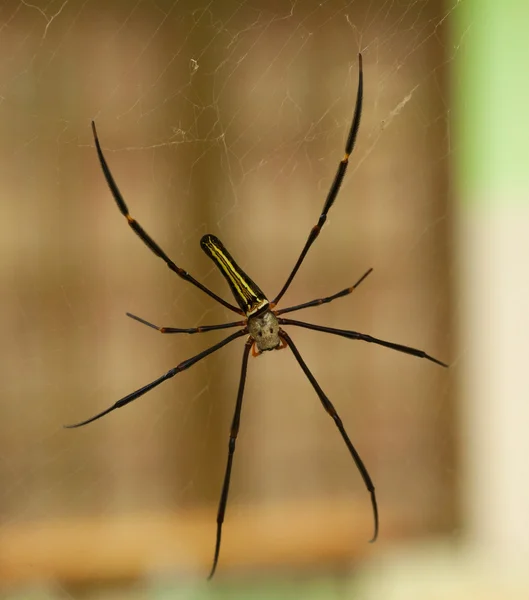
248	294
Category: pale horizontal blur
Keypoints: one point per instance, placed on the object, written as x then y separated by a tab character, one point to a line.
228	119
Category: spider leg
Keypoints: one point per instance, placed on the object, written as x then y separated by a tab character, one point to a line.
143	235
231	451
201	329
171	373
337	182
329	407
354	335
320	301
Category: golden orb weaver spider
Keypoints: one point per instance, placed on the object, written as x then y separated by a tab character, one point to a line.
262	322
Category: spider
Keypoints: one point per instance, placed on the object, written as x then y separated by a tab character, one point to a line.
261	321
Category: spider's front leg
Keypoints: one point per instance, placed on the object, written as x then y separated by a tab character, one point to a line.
336	184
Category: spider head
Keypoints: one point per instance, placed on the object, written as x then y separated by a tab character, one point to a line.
264	329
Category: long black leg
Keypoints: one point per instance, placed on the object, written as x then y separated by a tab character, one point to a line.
329	407
147	388
231	451
201	329
320	301
143	235
335	187
354	335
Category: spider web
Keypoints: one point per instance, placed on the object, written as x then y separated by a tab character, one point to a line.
227	118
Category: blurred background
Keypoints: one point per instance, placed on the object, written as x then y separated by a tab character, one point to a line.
230	118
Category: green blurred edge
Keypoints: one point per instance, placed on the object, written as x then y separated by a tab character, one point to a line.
490	88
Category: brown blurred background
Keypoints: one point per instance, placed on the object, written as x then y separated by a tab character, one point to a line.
226	118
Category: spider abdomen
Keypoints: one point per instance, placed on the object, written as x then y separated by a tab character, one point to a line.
247	293
264	329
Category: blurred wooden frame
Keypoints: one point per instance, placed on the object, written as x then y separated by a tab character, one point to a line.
126	548
391	222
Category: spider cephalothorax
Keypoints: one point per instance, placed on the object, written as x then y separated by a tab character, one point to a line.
261	324
264	329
